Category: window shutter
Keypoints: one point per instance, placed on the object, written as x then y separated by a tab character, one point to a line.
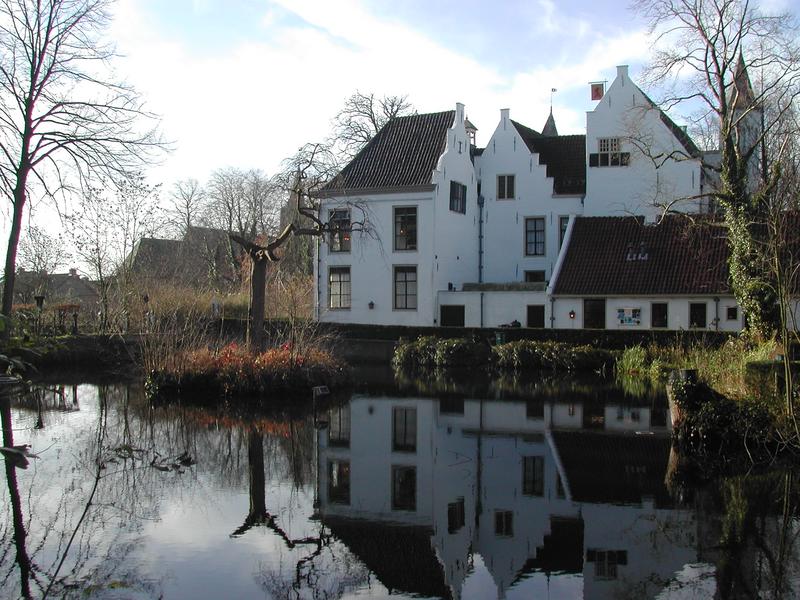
510	189
622	557
593	159
591	555
625	158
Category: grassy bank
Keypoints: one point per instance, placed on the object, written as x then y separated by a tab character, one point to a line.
724	368
434	352
207	375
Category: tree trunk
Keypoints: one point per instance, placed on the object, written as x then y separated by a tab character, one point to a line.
11	258
258	284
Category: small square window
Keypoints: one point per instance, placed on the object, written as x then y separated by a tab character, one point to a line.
534	276
458	197
339	223
658	315
534	236
405	228
505	187
503	523
732	312
404	488
455	516
339	482
697	315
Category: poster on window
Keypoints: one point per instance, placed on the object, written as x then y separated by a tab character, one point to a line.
629	316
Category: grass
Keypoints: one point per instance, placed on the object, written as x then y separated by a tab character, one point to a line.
723	368
214	375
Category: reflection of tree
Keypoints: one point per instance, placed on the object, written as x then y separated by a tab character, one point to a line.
20	534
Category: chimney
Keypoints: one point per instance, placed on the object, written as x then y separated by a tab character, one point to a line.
73	272
459	112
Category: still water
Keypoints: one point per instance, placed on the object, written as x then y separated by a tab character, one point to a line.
442	488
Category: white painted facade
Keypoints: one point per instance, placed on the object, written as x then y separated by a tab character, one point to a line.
487	243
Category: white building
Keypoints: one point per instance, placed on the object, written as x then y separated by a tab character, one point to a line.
519	230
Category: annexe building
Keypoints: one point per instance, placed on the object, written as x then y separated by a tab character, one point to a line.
546	230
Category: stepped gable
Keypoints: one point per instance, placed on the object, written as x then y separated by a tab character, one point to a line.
622	256
564	156
403	154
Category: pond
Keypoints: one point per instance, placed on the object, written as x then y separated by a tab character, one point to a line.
443	487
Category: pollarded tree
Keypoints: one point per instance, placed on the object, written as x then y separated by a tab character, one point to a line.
63	121
706	51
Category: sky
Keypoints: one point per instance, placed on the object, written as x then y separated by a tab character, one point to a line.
245	83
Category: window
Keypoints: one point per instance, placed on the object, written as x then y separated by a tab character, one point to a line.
405	228
505	187
562	229
606	562
404	430
503	523
339	482
594	313
658	315
339	221
405	288
534	409
458	197
536	316
533	475
339	287
455	515
534	236
697	315
608	154
404	488
451	405
339	426
732	312
534	276
451	315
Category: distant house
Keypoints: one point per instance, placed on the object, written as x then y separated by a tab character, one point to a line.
204	257
543	229
57	288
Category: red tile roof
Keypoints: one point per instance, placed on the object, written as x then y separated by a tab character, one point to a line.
621	256
403	154
564	155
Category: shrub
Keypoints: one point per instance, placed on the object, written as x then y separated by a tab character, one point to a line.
633	361
461	353
527	354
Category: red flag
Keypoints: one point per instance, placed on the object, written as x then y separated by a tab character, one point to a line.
598	89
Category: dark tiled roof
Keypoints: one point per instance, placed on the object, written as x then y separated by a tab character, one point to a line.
564	156
614	468
400	556
403	154
605	257
57	287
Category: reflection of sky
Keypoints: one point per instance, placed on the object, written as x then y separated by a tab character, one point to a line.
479	584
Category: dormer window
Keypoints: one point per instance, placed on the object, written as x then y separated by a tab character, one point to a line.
608	154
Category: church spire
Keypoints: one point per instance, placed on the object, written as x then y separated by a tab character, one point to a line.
549	128
741	95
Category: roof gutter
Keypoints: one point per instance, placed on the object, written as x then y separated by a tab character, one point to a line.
350	192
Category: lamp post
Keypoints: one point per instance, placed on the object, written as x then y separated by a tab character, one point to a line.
39	306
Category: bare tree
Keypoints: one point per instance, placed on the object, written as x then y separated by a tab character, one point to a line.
241	202
41	252
363	116
187	199
62	122
705	53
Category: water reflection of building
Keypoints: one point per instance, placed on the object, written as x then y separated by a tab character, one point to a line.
530	486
